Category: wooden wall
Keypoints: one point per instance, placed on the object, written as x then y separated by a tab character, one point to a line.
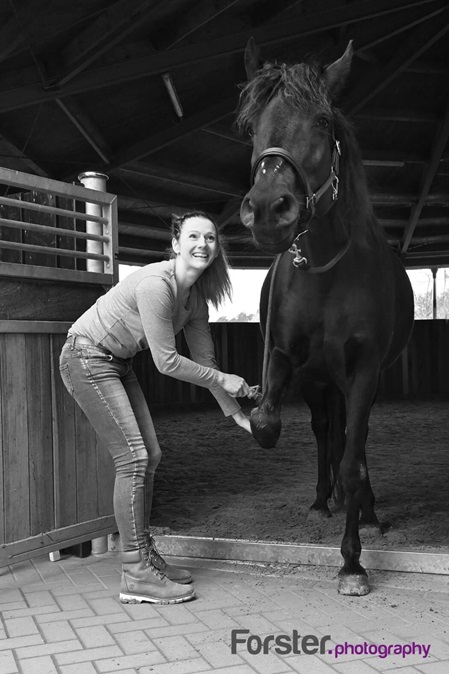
54	473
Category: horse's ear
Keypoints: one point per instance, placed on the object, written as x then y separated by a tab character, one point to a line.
336	73
252	58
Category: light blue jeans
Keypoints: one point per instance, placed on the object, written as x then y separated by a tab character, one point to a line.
107	390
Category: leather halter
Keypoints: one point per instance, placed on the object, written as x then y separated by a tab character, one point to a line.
312	198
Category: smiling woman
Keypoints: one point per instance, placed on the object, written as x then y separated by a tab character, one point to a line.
145	311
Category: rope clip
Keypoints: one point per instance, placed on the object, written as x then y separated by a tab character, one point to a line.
299	258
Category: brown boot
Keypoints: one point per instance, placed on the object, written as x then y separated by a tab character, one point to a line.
174	573
142	581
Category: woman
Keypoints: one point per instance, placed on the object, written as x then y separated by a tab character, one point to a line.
146	310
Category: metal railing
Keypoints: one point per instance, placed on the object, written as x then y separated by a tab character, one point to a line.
57	231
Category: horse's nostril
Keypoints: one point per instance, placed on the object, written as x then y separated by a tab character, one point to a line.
284	207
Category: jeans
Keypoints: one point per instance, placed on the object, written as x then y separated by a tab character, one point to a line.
107	390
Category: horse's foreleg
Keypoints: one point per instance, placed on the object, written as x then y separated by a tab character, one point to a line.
353	579
266	419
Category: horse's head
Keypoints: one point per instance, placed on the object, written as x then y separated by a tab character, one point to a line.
288	112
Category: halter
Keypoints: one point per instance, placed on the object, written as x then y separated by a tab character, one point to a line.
312	198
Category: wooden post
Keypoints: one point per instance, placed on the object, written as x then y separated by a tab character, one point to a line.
94	181
434	293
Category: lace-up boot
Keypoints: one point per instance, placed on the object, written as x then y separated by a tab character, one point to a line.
174	573
143	582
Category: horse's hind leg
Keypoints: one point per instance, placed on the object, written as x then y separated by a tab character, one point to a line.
266	419
368	518
315	395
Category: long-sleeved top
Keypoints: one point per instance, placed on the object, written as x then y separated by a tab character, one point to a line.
142	312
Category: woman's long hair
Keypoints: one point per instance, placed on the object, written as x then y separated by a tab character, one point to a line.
214	283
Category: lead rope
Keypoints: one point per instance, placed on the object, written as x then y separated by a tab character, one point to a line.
267	326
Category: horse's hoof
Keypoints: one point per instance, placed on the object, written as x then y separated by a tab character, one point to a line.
371	530
264	430
318	514
377	529
353	585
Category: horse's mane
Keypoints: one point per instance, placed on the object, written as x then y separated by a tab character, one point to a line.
303	86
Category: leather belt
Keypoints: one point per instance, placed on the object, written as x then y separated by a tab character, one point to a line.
80	340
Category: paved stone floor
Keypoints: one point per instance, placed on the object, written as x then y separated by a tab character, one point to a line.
65	617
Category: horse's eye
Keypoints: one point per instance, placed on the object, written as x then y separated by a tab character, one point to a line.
323	123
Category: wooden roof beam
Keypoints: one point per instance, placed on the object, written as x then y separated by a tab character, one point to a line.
107	30
396	199
167	136
398	115
15	152
363	10
180	178
198	15
418	43
12	38
364	40
229	213
437	152
86	127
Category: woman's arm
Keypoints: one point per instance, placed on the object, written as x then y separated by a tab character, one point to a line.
202	350
155	303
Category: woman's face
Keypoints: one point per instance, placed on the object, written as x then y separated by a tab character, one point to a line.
197	245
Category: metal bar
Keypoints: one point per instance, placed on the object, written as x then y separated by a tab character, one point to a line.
42	208
31	271
32	226
111	247
51	251
38	184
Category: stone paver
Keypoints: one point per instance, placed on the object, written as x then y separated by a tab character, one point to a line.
65	618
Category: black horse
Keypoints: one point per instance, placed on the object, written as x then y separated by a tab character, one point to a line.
337	305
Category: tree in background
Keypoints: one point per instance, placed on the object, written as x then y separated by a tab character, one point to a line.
240	318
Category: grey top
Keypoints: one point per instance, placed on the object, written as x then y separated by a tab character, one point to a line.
142	312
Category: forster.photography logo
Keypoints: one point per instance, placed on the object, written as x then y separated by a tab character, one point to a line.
311	644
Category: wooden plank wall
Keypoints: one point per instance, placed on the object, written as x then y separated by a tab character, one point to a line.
54	473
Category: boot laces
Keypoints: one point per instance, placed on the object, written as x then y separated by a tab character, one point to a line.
154	555
149	563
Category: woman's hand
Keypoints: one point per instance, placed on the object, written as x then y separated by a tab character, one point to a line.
234	385
242	420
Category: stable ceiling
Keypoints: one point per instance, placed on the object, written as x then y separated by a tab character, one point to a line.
82	87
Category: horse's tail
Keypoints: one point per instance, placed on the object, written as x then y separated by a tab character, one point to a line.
336	442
